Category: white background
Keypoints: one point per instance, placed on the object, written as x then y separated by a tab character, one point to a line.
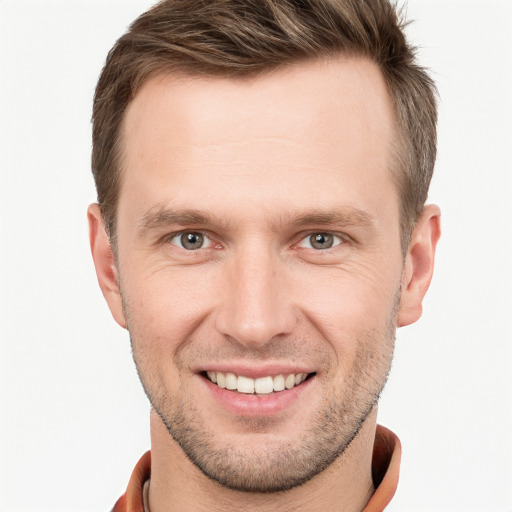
74	419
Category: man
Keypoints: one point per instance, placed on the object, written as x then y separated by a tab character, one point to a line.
262	170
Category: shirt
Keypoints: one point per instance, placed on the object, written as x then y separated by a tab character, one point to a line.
385	470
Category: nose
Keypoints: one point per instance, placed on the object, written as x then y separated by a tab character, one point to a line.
256	302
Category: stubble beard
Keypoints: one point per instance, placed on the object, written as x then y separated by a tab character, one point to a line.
269	468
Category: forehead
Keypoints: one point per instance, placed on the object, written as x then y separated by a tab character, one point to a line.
321	89
324	123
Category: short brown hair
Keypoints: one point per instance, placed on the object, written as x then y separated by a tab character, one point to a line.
240	38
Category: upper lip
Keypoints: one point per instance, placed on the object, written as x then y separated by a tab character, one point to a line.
255	371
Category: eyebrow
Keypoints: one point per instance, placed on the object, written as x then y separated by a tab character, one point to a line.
346	216
164	217
340	216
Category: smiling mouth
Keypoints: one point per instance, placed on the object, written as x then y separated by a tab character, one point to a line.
259	386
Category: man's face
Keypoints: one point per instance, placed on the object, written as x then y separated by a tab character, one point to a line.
258	236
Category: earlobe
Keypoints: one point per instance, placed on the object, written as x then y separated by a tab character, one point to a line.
419	265
104	263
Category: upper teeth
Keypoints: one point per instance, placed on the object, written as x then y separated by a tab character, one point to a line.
260	386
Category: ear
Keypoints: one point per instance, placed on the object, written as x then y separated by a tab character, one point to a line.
419	265
106	269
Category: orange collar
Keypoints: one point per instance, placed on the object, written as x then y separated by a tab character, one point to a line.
387	452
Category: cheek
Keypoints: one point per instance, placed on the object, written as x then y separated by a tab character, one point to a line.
351	310
165	305
349	298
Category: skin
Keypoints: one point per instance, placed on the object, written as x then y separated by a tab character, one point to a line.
257	166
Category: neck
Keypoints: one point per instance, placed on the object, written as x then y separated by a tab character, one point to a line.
178	485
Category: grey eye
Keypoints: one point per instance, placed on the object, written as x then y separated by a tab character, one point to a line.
191	240
321	240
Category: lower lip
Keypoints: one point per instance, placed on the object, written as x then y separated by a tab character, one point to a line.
244	404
